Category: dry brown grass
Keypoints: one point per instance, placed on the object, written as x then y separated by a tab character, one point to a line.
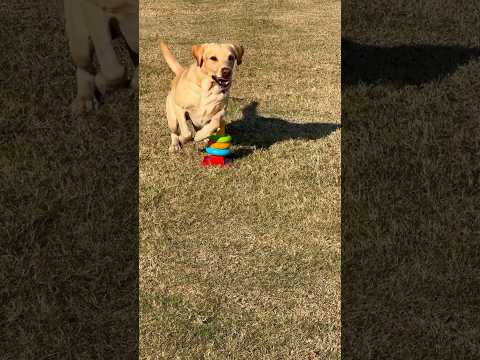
68	202
410	180
245	262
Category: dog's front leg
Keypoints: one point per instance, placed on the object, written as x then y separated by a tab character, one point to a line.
212	102
81	52
211	126
185	133
112	72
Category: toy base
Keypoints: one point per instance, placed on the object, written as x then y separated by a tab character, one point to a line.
212	160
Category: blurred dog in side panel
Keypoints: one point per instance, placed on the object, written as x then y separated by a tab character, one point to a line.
91	25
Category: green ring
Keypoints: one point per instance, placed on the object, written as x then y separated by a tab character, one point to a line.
221	138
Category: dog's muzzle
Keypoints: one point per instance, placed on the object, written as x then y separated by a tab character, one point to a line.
222	82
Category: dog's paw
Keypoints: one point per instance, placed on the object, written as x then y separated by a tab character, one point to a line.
174	148
198	138
201	145
82	106
185	137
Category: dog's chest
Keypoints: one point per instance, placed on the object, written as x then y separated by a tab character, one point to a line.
187	96
204	104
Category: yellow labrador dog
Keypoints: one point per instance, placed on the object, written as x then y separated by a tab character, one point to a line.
91	26
199	93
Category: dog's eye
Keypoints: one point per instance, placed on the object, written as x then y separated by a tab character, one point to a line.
230	58
213	58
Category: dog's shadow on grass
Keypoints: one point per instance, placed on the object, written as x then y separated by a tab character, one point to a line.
253	131
400	65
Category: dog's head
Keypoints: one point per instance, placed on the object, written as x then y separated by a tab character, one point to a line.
218	61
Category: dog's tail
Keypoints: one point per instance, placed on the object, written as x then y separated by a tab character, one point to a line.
170	59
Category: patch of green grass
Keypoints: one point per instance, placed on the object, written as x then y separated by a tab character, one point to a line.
252	250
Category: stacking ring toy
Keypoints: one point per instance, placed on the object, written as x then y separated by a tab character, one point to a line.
218	149
219	145
221	138
219	152
209	160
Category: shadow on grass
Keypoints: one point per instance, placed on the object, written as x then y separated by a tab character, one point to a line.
404	294
256	131
401	65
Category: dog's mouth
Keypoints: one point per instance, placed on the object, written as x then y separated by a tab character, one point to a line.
222	82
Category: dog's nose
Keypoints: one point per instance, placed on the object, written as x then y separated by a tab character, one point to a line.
226	72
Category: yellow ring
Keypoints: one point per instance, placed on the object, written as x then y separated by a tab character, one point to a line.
219	145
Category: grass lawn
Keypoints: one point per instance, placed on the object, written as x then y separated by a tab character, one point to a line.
410	180
244	262
68	201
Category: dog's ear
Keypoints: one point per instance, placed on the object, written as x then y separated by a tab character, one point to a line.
238	53
197	52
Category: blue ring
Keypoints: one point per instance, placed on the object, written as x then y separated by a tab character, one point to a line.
218	152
